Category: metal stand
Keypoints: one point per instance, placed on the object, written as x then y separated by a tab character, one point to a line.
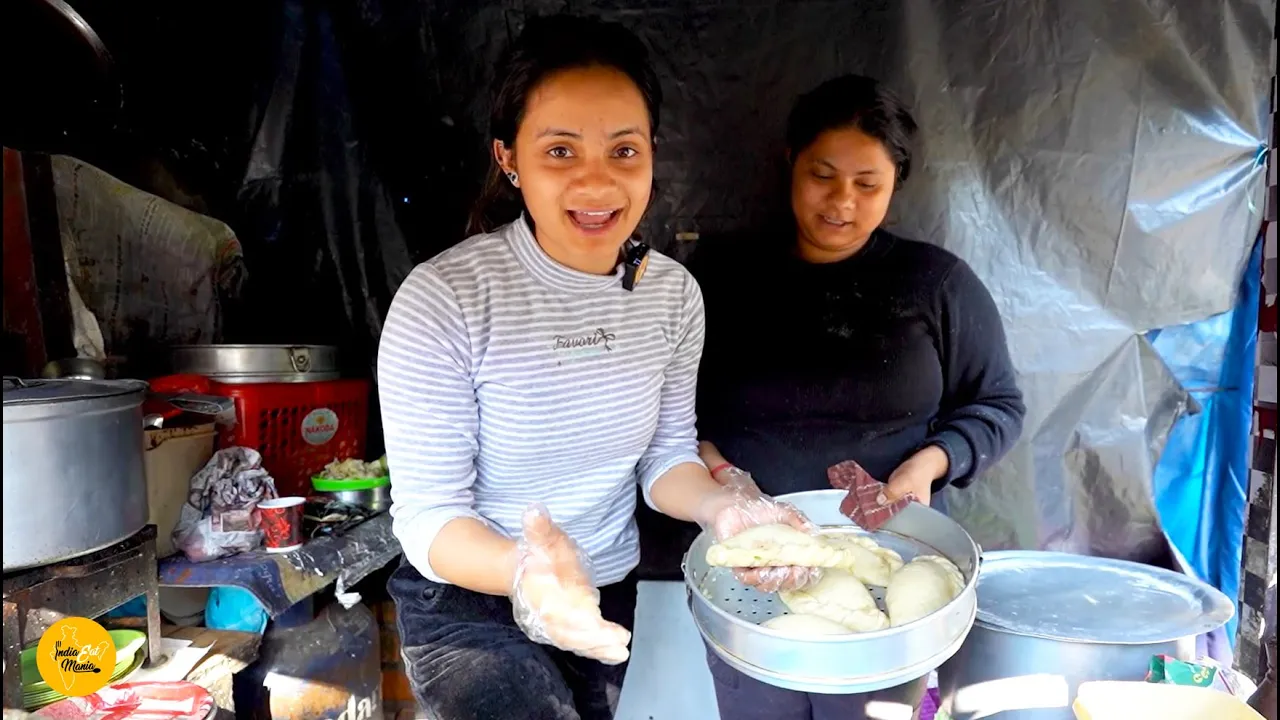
81	587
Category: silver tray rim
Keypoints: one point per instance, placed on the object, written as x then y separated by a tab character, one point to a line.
970	587
840	685
916	648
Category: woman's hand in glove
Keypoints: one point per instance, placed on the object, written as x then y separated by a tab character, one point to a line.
740	505
554	600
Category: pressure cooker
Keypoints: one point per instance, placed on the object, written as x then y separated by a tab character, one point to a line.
73	473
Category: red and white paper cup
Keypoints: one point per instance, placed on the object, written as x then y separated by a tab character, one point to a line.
281	523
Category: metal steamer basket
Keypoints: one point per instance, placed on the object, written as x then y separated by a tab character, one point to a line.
727	613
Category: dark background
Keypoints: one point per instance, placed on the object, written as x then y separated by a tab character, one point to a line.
1098	163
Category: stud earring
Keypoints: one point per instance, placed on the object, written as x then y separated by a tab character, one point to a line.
514	178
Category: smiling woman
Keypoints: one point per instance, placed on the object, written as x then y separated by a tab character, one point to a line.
585	170
864	346
514	490
573	139
529	380
849	150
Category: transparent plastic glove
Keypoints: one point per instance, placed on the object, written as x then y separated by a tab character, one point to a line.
740	505
553	598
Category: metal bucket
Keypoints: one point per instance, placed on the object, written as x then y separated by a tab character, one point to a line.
1048	622
727	613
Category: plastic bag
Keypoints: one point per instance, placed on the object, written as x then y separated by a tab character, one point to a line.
234	608
218	518
1205	672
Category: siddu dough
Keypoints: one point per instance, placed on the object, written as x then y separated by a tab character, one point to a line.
922	587
781	545
840	598
773	546
804	625
870	563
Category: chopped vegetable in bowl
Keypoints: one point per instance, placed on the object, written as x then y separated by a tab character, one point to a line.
355	468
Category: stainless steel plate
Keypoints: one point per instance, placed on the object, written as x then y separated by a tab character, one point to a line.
728	614
1059	596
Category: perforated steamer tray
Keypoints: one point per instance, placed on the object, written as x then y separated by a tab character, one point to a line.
727	613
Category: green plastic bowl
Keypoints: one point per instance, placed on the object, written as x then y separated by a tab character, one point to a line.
323	484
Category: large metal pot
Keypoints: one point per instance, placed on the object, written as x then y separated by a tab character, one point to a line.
73	473
1048	622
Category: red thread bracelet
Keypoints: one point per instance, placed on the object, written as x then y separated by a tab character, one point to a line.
721	466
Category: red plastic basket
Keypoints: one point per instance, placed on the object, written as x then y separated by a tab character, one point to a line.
298	427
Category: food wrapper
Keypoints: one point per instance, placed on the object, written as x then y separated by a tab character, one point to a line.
1165	669
864	504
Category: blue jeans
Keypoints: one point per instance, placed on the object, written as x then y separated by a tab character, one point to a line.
743	698
467	660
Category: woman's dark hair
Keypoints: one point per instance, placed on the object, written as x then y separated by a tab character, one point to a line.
853	101
548	45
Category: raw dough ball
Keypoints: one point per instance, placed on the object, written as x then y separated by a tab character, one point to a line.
922	587
772	546
840	598
870	563
804	625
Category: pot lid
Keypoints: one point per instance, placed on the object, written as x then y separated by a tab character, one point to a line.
1060	596
38	392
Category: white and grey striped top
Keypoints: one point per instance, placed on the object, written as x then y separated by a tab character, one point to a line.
506	378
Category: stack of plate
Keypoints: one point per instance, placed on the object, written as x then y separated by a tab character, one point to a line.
36	693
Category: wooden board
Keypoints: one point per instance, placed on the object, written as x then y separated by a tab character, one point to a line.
231	652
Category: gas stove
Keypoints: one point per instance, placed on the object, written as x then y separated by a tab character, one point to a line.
86	586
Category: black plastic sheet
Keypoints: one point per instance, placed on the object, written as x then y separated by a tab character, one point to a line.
1098	163
330	232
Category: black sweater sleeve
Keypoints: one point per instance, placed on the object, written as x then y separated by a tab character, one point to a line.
982	408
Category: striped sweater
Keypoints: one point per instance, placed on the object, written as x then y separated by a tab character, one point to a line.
506	378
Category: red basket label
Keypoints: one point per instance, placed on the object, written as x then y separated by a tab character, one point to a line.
319	426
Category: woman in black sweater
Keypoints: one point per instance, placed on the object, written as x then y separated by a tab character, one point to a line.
835	340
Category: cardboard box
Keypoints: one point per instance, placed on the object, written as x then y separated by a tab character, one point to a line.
171	457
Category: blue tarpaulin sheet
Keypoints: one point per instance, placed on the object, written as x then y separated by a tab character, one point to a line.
1202	480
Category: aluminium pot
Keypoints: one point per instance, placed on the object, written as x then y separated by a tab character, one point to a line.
74	481
1048	622
240	364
